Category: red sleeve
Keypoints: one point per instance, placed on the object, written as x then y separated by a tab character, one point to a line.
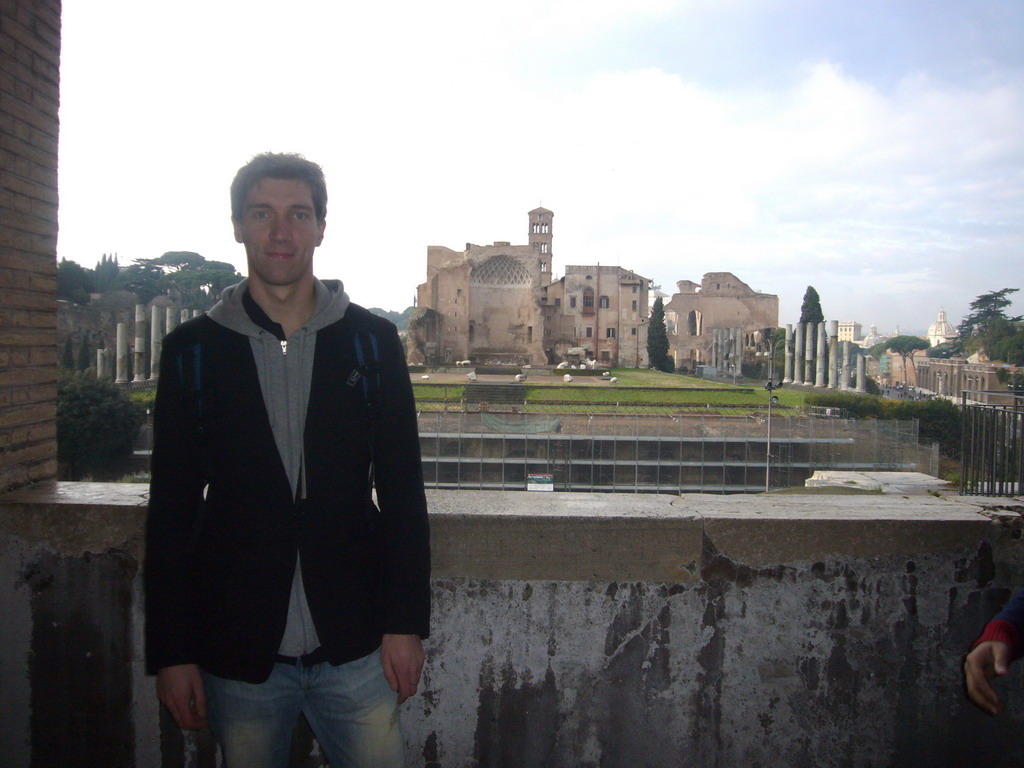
1004	632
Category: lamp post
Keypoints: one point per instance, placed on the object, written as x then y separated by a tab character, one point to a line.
770	386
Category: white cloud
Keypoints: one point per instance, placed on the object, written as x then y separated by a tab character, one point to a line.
444	123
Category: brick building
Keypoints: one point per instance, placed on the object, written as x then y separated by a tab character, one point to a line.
29	95
496	304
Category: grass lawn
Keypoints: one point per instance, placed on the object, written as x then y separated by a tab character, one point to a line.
634	388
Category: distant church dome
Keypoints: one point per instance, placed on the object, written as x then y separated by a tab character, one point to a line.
872	338
940	331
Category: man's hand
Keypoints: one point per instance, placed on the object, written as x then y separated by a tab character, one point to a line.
989	659
180	689
402	659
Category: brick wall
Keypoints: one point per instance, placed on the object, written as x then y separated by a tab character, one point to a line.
29	96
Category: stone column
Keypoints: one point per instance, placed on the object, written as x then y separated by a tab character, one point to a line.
172	320
844	376
861	384
833	354
196	313
184	315
819	368
809	353
140	342
122	354
798	361
788	370
101	365
155	342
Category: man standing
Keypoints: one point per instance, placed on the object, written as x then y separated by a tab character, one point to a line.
274	583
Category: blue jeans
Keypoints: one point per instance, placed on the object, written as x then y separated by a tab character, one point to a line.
351	708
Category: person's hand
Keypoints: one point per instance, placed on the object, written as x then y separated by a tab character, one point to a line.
402	659
989	659
180	689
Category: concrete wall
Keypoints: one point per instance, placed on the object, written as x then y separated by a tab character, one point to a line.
29	95
575	630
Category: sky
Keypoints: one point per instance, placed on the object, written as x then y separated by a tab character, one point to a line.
872	150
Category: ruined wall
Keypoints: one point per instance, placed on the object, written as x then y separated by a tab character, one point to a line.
592	630
723	301
29	95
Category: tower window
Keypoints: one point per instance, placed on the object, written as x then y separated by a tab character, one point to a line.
588	298
543	266
609	333
590	332
543	247
634	305
544	228
558	302
604	302
572	302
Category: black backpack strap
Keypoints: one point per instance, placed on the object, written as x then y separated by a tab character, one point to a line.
367	373
196	393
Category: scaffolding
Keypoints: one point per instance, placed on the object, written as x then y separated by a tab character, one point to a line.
643	453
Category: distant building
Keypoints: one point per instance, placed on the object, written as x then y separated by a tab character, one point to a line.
941	331
873	338
497	305
849	330
721	302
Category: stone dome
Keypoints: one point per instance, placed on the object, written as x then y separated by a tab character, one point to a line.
940	331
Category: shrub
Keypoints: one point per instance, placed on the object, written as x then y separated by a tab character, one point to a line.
938	420
96	424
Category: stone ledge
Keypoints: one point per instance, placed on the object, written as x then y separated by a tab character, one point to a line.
584	536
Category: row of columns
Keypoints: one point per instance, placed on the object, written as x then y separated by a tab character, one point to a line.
163	320
726	348
806	361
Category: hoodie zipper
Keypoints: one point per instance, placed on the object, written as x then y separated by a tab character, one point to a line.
284	346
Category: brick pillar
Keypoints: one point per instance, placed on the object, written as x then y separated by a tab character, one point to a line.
29	94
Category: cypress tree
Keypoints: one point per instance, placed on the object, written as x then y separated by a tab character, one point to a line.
657	339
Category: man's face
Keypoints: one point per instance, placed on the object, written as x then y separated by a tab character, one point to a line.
279	231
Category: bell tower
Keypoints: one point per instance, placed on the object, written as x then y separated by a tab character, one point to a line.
540	238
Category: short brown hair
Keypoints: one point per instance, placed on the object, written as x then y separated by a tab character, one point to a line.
270	165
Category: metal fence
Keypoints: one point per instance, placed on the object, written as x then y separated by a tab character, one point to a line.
639	453
991	445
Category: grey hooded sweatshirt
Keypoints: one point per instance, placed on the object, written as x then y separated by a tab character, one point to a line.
285	371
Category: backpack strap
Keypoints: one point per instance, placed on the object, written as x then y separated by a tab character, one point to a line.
196	393
367	373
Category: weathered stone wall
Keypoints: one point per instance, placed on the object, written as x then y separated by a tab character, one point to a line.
29	95
724	301
575	630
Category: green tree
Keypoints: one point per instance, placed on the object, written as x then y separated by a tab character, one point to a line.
67	358
74	282
810	312
985	309
96	424
657	339
142	279
85	360
192	277
904	346
106	272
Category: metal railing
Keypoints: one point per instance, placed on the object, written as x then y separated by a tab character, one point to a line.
636	453
991	445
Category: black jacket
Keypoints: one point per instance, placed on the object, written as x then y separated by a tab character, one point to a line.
218	572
